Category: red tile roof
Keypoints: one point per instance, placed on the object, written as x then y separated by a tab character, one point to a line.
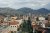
14	23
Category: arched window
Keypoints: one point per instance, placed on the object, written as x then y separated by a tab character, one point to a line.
11	26
15	26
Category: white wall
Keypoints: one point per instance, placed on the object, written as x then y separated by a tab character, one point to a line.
13	28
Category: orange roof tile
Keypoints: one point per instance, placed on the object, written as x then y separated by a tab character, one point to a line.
14	23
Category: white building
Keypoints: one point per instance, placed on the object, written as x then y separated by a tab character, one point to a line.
41	21
14	25
41	18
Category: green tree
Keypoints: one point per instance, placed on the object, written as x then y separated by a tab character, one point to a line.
26	26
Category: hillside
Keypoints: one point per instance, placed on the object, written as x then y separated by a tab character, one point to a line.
23	11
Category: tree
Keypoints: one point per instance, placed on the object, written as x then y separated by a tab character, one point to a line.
26	26
30	29
37	19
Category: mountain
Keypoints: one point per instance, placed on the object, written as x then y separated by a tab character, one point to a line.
29	10
23	11
7	11
11	11
43	11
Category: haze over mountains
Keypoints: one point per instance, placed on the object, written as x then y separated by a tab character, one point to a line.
23	11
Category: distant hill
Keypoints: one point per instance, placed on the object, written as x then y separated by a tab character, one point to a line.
43	11
23	11
32	11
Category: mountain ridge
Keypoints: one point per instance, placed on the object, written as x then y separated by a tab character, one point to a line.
23	11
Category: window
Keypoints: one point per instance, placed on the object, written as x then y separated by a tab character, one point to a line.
11	31
11	26
15	26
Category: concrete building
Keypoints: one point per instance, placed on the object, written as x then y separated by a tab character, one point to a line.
14	25
41	18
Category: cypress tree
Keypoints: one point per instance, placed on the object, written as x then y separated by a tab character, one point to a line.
26	26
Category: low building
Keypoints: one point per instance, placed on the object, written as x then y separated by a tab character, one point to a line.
13	26
41	18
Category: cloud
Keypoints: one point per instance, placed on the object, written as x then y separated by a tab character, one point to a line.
23	3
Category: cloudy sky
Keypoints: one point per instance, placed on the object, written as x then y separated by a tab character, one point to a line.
35	4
